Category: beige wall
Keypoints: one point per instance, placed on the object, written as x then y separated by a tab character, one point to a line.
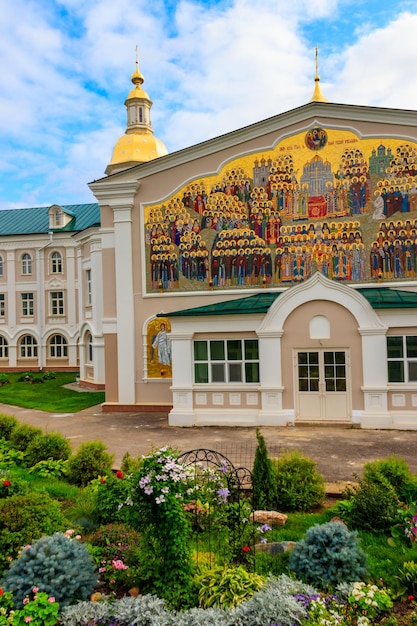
110	346
343	334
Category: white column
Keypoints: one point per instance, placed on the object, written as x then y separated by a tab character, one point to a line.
71	289
182	413
270	366
375	379
11	294
97	308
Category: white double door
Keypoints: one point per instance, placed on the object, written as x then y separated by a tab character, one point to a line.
322	384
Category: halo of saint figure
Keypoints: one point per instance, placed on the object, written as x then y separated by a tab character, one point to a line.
278	227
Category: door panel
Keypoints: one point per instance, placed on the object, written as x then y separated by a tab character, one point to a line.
322	385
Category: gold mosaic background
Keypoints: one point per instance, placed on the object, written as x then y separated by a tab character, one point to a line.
322	200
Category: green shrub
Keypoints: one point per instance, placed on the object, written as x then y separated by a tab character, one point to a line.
90	461
50	468
299	486
11	485
25	518
47	446
263	479
393	471
227	587
275	565
371	506
329	554
407	580
22	435
7	424
111	495
60	566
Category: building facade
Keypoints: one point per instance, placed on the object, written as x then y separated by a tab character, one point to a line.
264	277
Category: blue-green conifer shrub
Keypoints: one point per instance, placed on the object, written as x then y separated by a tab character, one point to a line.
58	565
329	554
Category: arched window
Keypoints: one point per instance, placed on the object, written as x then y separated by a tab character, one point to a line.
58	347
89	347
28	347
4	348
57	216
56	263
26	263
1	265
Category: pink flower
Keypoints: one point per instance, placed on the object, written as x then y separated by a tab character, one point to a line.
35	589
26	600
78	536
28	619
51	599
101	570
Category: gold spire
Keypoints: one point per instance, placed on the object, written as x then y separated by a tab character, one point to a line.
317	95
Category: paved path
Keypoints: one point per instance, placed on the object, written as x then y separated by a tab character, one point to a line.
339	452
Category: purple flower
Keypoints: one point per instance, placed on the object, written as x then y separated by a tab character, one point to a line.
223	494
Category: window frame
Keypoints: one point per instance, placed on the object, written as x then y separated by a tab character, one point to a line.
56	347
28	344
57	303
1	265
4	348
222	368
28	304
26	260
88	287
2	305
403	360
56	262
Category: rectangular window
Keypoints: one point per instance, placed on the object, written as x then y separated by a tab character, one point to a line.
57	303
27	305
226	361
402	359
2	305
88	286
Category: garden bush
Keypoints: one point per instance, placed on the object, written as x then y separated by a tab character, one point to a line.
60	566
90	461
369	505
227	587
11	485
7	424
263	478
24	519
47	446
299	486
112	494
329	554
22	435
393	471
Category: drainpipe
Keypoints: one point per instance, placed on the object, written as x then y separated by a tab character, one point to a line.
40	299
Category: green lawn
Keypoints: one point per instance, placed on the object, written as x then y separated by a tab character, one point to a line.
48	396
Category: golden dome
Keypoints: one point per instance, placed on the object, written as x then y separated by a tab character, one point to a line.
133	148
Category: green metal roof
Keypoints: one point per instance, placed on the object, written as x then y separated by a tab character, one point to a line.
36	220
385	298
258	303
378	298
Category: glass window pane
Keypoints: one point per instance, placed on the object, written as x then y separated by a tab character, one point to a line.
200	351
217	350
302	371
235	372
330	385
411	343
340	384
329	357
339	358
412	371
302	358
314	372
328	371
313	357
217	373
395	347
340	371
302	385
395	371
201	372
251	349
234	350
252	372
314	385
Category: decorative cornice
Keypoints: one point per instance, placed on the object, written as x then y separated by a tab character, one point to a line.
115	193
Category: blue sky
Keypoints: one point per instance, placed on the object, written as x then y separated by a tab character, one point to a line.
209	66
